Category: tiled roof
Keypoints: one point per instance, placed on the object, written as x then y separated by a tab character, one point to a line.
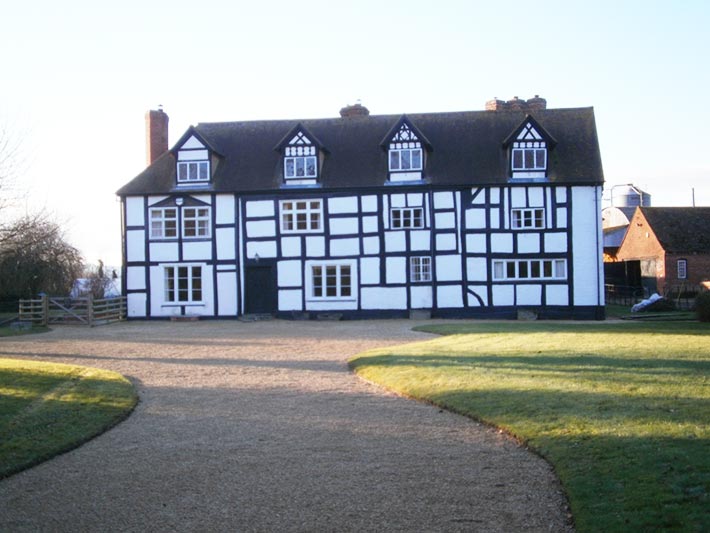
466	149
680	229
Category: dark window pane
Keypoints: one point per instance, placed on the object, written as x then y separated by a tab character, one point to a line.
416	159
510	269
523	269
529	159
406	159
394	160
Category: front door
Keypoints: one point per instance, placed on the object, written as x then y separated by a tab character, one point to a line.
260	290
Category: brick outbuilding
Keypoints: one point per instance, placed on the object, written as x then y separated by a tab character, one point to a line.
672	245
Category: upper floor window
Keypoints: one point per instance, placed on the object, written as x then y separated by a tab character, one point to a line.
301	216
402	157
182	284
193	159
193	171
682	269
407	217
301	159
195	222
163	223
528	218
528	146
405	153
529	156
300	167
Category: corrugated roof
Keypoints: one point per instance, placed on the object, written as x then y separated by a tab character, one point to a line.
680	229
467	150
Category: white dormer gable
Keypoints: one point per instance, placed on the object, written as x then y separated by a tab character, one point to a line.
192	143
405	153
301	154
193	162
529	145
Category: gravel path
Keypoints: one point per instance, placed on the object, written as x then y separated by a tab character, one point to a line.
260	427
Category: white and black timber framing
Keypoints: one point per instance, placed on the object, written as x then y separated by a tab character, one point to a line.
341	238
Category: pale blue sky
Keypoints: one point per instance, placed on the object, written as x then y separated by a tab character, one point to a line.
77	77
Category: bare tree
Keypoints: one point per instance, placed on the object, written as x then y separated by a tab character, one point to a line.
35	257
11	158
98	282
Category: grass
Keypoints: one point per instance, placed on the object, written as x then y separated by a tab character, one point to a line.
49	408
621	410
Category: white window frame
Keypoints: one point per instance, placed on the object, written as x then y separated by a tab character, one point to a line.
185	172
682	268
398	155
193	290
202	222
294	162
341	273
527	218
292	214
420	268
529	269
406	218
532	155
158	216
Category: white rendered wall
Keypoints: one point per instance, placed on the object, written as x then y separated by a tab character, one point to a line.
225	243
135	304
135	245
225	213
227	290
420	296
587	246
384	298
135	278
135	215
163	251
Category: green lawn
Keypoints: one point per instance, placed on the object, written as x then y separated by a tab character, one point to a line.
49	408
622	410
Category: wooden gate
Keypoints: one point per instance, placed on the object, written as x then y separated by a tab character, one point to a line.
87	311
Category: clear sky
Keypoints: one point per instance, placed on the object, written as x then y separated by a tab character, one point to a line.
77	77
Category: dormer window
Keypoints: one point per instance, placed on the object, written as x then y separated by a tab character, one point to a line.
193	161
528	150
191	171
300	159
405	152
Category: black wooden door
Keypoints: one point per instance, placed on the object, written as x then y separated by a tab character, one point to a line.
260	290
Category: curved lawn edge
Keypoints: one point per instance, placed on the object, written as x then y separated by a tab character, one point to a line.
47	409
618	410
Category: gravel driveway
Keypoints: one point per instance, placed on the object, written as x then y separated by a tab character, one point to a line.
261	427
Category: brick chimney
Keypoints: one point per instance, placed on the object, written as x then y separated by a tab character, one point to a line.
356	110
517	104
156	134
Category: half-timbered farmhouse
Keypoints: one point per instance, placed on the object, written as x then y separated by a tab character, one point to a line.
461	214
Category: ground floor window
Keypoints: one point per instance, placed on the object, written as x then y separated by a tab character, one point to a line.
331	281
420	268
682	269
513	269
183	284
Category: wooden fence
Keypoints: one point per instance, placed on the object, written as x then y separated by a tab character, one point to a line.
87	311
